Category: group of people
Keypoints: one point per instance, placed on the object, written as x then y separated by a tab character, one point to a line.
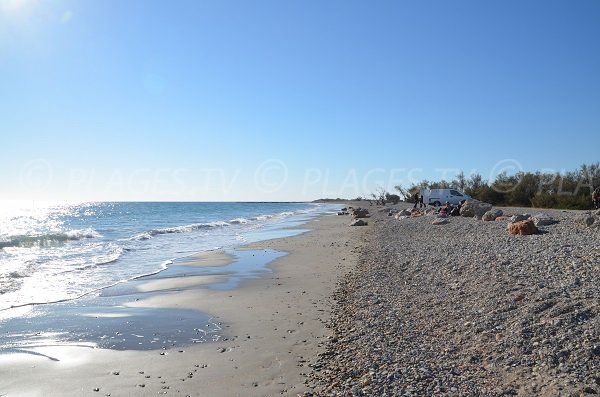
446	209
452	210
419	201
596	198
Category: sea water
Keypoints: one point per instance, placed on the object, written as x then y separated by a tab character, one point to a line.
58	252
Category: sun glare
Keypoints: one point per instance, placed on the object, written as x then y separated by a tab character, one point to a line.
16	6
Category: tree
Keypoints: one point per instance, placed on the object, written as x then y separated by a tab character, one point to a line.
379	196
460	181
392	198
403	192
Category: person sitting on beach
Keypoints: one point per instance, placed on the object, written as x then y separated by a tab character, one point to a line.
446	209
456	210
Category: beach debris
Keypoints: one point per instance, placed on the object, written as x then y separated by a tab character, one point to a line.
543	219
474	208
491	215
523	228
359	222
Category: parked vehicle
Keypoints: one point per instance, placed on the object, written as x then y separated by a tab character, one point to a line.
438	197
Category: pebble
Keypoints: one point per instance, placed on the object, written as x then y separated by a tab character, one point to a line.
465	310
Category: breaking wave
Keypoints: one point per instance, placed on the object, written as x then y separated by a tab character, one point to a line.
43	240
147	235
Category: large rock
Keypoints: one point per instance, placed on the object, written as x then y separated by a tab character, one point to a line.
474	208
519	218
491	215
360	213
359	222
542	219
523	228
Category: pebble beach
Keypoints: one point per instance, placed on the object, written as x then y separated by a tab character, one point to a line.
466	309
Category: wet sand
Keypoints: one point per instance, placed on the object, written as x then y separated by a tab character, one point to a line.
272	328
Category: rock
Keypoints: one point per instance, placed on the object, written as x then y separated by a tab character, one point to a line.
587	220
360	213
405	213
359	222
519	218
440	221
502	218
543	219
491	215
523	228
401	217
474	208
342	213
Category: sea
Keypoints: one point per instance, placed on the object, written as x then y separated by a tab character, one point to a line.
53	252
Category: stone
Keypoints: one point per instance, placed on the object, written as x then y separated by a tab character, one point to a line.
360	213
404	213
523	228
474	208
401	217
587	220
359	222
519	218
342	213
542	219
491	215
440	221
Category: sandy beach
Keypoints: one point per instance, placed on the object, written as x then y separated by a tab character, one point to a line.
273	328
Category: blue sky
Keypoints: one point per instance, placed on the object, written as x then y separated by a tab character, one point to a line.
289	100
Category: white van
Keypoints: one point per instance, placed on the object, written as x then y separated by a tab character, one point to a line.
438	197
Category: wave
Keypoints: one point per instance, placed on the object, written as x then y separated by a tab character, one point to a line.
147	235
177	229
110	257
239	221
41	240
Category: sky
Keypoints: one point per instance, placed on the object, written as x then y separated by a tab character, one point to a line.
289	100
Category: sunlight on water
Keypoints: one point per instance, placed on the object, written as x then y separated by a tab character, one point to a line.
52	251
